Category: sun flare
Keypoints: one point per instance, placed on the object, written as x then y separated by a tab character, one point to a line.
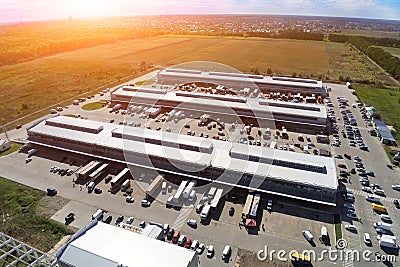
88	8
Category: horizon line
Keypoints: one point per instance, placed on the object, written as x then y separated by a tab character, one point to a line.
190	14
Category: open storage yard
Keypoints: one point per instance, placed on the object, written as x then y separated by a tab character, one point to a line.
68	74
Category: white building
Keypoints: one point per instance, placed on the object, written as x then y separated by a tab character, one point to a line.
104	245
294	175
240	81
312	117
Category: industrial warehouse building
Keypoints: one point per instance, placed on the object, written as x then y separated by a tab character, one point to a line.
294	175
239	81
104	245
297	116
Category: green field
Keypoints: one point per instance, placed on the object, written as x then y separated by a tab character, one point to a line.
385	100
392	50
14	147
38	84
20	219
94	105
377	34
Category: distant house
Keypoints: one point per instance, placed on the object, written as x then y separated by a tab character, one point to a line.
4	145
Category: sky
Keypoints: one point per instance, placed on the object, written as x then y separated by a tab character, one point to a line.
26	10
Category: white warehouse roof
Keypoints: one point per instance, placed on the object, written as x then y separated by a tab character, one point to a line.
262	108
286	166
241	77
104	245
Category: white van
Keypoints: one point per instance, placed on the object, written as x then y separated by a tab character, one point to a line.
125	185
367	239
308	235
226	252
97	215
373	198
164	188
91	186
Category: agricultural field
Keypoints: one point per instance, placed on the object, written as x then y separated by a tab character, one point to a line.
45	82
377	34
392	50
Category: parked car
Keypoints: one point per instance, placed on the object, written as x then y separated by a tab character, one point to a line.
142	224
170	233
192	222
200	249
51	191
188	243
231	211
396	203
129	199
129	220
351	228
98	190
210	251
119	219
145	203
69	218
108	219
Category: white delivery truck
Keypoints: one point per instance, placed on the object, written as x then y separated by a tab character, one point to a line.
189	188
125	185
164	188
205	212
97	215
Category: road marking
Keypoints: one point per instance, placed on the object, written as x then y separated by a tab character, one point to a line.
364	194
182	218
348	260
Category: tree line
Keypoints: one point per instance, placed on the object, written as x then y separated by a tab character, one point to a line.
20	43
370	47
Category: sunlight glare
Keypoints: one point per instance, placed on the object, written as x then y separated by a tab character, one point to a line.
88	8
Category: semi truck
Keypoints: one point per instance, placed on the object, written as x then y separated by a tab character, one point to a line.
31	151
254	206
214	202
152	189
205	212
211	193
83	172
189	188
179	192
247	206
116	107
98	173
118	180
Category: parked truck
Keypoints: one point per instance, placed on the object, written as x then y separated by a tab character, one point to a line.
31	151
189	188
205	212
179	192
154	187
119	180
116	107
